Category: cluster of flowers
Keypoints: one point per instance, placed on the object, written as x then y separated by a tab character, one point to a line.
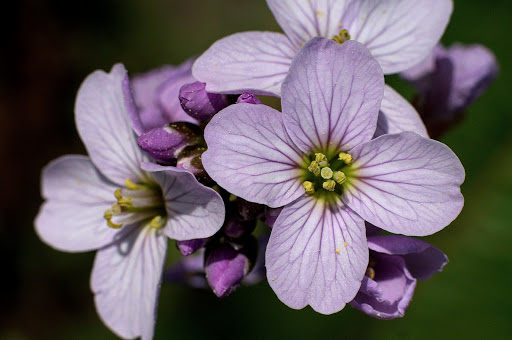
190	153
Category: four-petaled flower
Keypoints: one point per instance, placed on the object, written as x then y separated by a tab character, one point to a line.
318	160
109	203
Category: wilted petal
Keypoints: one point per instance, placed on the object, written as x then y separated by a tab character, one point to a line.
193	210
400	33
102	120
331	96
397	115
406	184
126	281
387	296
254	62
422	259
77	196
250	155
303	20
317	255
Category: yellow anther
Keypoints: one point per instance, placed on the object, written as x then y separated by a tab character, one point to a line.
314	168
326	173
114	225
118	194
342	37
309	187
108	216
321	159
125	202
339	177
132	186
329	185
345	157
157	222
370	272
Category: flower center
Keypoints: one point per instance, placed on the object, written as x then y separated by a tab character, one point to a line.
137	202
324	174
342	37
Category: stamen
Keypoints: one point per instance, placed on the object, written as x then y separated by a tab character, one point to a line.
326	173
314	168
339	177
158	221
309	187
108	216
342	37
329	185
345	157
370	272
321	159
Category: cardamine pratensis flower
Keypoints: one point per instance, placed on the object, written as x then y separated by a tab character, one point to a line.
117	203
398	33
318	160
396	262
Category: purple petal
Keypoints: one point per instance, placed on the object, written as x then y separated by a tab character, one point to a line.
406	184
400	33
317	255
193	210
77	196
254	62
250	155
102	120
144	91
248	98
423	259
126	280
303	20
397	115
387	296
331	96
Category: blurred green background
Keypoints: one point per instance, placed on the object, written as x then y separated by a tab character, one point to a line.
50	46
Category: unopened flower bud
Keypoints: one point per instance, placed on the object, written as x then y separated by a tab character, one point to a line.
165	143
248	98
236	228
191	246
190	160
199	104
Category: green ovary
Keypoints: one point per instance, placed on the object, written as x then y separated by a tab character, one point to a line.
324	176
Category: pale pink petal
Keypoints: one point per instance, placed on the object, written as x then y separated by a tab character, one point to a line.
77	196
253	62
317	255
126	281
103	122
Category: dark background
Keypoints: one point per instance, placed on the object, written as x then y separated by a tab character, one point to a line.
47	49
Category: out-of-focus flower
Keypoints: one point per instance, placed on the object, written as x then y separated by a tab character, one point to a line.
396	262
318	160
122	206
448	81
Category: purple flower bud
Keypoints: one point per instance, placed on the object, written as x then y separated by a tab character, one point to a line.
190	160
249	210
396	262
248	98
165	144
225	268
199	104
191	246
237	228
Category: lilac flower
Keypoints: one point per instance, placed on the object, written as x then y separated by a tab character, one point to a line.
199	104
317	160
109	203
396	262
448	81
156	97
398	33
